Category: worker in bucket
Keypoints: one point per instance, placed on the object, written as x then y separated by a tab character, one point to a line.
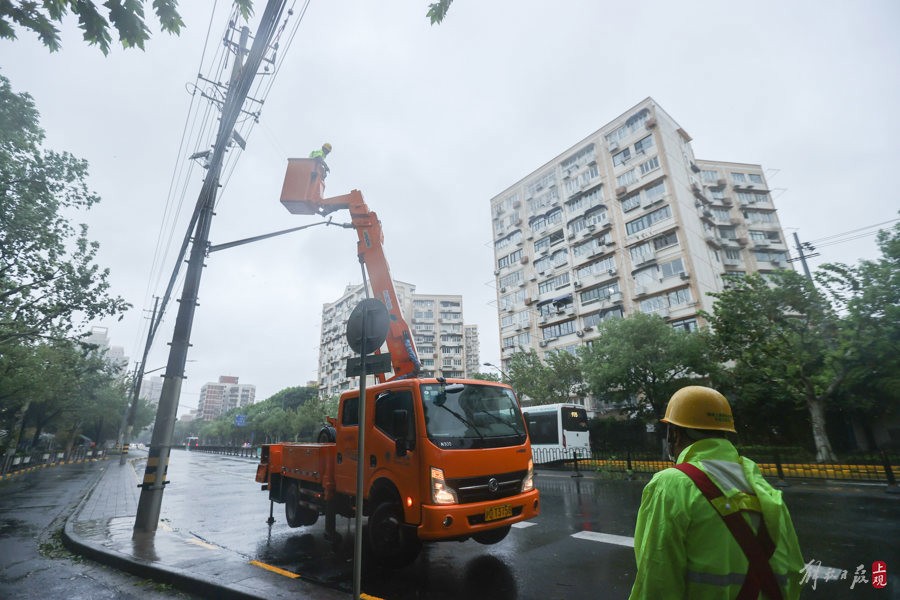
320	155
712	527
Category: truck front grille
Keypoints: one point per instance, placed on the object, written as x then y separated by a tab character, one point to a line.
487	487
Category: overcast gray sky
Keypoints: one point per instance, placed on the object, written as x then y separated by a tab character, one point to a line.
431	122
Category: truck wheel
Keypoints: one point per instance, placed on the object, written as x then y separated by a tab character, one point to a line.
294	514
391	542
492	536
327	435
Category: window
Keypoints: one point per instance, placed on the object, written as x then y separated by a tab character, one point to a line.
553	283
672	268
644	144
738	178
580	158
655	191
385	405
755	178
626	178
631	202
511	279
650	165
594	319
680	297
688	325
600	267
733	254
709	176
665	241
727	233
508	240
641	223
602	292
558	329
722	215
620	158
645	276
584	201
350	412
631	125
759	216
509	259
596	216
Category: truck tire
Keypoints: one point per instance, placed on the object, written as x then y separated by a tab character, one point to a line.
294	514
327	435
491	536
392	544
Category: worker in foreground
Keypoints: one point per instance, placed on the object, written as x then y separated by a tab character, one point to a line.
712	527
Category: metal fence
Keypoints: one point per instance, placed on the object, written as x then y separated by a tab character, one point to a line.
245	451
20	463
870	467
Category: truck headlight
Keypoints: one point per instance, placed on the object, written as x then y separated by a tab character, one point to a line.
441	493
528	480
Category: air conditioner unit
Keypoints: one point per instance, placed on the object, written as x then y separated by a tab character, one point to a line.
502	290
685	276
591	227
616	297
621	190
542	344
496	272
532	278
611	272
588	328
528	300
577	284
650	123
579	333
613	146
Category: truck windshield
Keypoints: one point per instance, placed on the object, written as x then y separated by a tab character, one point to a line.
461	415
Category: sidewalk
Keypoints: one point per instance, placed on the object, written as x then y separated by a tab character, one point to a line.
101	529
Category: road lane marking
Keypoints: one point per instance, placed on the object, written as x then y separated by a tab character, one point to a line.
275	569
606	538
523	524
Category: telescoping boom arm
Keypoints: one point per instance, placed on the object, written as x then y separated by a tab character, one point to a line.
302	194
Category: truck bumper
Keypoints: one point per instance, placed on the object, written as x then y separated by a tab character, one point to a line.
462	520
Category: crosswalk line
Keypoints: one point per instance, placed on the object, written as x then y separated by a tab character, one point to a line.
606	538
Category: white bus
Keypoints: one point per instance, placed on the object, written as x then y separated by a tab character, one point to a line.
556	431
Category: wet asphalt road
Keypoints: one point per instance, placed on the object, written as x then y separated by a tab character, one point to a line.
577	549
33	561
573	551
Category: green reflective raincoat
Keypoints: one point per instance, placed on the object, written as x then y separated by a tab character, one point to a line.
685	550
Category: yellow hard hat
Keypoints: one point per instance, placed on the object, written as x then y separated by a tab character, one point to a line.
699	407
326	147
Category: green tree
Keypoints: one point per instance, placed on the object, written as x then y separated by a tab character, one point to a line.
486	376
553	380
641	360
126	17
867	296
784	338
50	286
438	10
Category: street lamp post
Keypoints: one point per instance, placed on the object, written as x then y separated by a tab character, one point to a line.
502	372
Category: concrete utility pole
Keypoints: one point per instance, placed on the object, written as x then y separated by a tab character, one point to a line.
136	387
802	256
154	481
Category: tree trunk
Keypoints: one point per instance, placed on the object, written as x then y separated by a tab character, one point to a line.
824	453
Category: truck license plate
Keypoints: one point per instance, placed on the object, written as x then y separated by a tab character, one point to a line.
498	512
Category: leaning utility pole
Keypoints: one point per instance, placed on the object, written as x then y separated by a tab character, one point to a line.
154	481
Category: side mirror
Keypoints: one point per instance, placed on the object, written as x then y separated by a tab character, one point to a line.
400	425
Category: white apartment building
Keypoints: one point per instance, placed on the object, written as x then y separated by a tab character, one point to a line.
625	220
114	355
442	340
218	398
473	350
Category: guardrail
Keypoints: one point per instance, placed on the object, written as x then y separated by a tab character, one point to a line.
11	465
861	467
247	452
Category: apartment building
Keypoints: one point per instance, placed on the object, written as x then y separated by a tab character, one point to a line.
444	344
217	398
625	220
473	350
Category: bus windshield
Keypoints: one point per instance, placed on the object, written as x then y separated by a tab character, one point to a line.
461	415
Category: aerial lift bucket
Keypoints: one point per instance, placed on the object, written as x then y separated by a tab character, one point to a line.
304	185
